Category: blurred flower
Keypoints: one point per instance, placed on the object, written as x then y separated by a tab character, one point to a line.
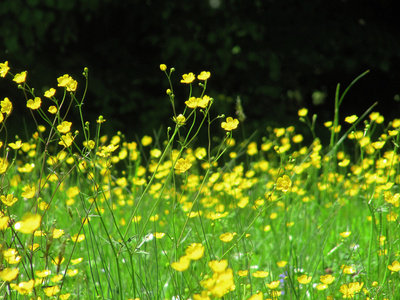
29	223
163	67
283	183
182	265
182	165
195	251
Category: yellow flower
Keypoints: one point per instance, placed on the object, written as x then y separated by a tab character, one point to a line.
147	140
4	69
52	109
243	273
327	279
351	119
394	267
66	140
77	261
345	234
16	145
73	272
67	82
180	120
24	287
283	183
230	124
9	274
8	200
188	78
163	67
43	273
321	286
29	223
258	296
218	266
64	296
6	106
348	269
28	192
182	265
34	104
304	279
281	264
273	284
302	112
260	274
64	127
4	222
204	75
182	165
57	278
78	238
226	237
20	77
51	291
195	251
194	102
50	93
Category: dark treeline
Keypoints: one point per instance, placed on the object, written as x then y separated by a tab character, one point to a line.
278	56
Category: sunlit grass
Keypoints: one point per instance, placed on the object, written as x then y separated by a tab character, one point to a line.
87	216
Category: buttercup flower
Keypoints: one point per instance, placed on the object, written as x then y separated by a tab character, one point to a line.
394	267
64	127
194	102
182	265
188	78
34	104
283	183
302	112
9	274
8	200
195	251
52	109
304	279
182	165
4	69
204	75
163	67
66	140
29	223
50	93
351	119
20	77
6	106
230	124
67	82
180	120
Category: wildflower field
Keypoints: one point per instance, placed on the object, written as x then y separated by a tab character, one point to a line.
89	216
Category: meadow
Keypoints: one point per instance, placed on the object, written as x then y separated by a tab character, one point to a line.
89	216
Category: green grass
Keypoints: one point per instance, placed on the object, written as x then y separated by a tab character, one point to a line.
172	218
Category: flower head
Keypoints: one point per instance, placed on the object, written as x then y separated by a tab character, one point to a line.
67	82
188	78
20	77
195	251
4	69
29	223
180	120
34	104
283	183
50	93
230	124
6	106
182	165
304	279
182	265
394	267
204	75
163	67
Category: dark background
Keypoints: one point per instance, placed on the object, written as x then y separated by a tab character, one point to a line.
274	54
